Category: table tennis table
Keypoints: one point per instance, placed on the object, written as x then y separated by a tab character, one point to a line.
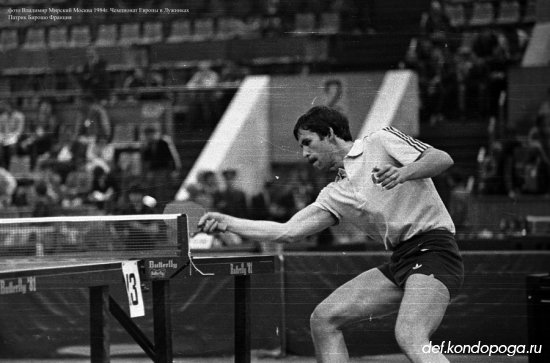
31	274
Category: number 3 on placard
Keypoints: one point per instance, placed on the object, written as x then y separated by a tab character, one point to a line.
131	287
130	274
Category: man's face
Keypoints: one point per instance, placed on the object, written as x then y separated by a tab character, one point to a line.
319	152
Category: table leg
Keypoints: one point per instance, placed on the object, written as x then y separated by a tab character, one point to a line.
99	324
163	321
242	319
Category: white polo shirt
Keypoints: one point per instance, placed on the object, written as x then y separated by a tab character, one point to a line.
389	216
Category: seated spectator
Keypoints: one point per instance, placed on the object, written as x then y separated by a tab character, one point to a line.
436	23
161	165
94	123
275	202
544	108
537	166
8	184
232	200
233	73
104	189
458	200
137	234
94	78
12	125
78	185
61	158
208	184
101	153
42	133
44	205
53	181
205	76
142	77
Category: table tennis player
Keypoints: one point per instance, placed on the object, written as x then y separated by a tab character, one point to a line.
383	186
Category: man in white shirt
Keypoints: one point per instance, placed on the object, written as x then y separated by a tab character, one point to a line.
384	187
12	124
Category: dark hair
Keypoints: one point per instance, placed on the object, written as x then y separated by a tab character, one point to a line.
320	119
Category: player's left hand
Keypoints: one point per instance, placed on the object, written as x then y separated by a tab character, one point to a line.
388	176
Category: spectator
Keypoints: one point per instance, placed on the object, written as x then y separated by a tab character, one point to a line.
137	234
544	108
161	164
275	202
136	79
94	78
204	102
208	184
8	184
233	73
458	200
43	133
44	205
101	153
63	155
78	185
141	77
537	166
95	123
12	124
272	22
232	200
104	189
205	76
436	23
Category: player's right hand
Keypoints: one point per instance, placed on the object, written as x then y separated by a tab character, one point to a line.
213	222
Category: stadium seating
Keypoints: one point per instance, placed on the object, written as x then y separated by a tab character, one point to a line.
330	23
457	14
129	34
35	39
204	29
58	37
180	31
80	36
509	13
152	33
483	13
227	28
529	15
106	35
304	23
8	39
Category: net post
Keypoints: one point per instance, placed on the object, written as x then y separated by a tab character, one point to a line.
182	235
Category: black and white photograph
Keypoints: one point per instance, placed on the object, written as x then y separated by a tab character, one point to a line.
265	181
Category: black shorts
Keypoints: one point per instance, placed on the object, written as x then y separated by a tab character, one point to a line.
430	253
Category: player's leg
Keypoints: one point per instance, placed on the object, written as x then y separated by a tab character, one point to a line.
422	309
370	294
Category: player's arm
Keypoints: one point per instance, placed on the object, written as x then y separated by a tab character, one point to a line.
430	163
306	222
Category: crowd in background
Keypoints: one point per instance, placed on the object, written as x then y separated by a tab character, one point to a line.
462	73
73	164
462	76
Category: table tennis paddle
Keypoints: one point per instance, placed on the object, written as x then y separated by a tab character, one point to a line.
194	211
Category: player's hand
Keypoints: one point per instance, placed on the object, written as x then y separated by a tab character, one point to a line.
388	176
213	222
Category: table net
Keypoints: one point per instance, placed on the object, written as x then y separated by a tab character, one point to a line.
110	236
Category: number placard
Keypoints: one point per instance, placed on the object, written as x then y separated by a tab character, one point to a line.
133	288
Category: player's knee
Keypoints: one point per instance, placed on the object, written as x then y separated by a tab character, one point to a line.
409	335
322	318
